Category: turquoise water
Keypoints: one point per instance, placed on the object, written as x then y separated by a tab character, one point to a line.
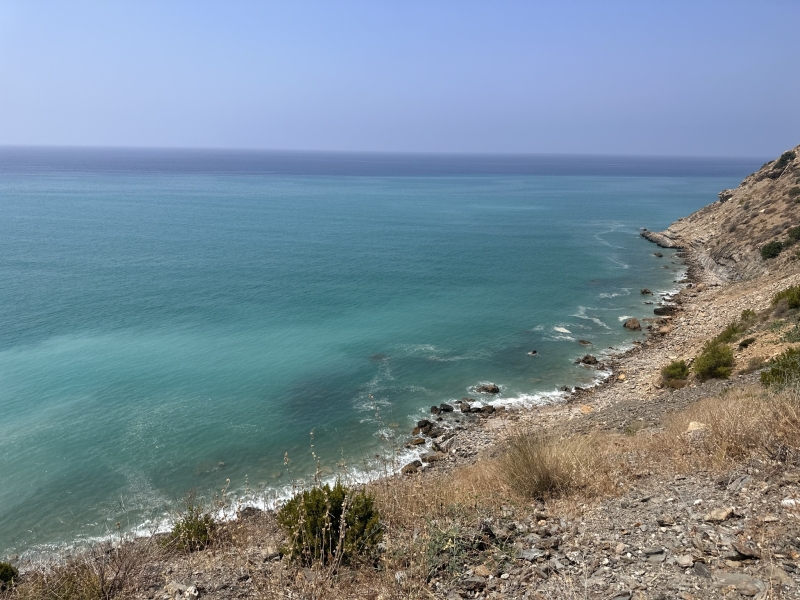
170	321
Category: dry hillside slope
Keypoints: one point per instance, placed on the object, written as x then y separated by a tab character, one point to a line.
726	237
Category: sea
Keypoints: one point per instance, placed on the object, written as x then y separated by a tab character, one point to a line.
239	322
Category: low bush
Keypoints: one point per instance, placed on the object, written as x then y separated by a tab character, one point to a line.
731	333
784	160
676	371
747	342
784	369
794	192
8	573
748	316
330	524
194	529
771	249
538	466
715	361
790	294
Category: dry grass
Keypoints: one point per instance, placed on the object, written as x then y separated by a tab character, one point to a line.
735	426
537	465
106	570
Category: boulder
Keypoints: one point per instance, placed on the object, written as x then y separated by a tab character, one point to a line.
588	360
411	467
646	291
435	410
657	254
465	407
424	423
416	442
487	388
445	408
665	310
488	409
584	342
632	324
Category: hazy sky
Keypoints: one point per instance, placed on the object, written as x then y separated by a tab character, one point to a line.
680	78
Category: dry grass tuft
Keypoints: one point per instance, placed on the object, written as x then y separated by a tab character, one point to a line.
539	466
737	425
106	570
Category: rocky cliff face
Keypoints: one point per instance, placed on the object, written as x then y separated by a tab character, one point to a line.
725	238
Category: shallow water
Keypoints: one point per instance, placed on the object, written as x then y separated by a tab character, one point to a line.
171	320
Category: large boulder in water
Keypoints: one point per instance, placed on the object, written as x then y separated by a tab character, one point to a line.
487	388
665	310
588	360
632	324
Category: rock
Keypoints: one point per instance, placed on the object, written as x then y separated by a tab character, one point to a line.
658	254
744	584
191	593
746	551
584	342
488	388
700	287
530	554
473	584
482	571
646	291
588	360
465	407
445	408
725	195
632	324
700	570
416	442
665	521
411	467
684	561
695	426
435	410
488	409
665	310
563	388
718	515
431	457
424	423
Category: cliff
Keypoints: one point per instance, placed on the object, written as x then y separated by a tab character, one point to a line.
725	238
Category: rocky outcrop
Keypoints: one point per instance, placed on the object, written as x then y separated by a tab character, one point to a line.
661	239
723	240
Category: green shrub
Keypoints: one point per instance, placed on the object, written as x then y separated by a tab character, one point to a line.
748	316
794	192
677	369
194	529
790	294
771	250
731	333
793	335
7	574
784	160
746	342
714	362
794	232
313	521
784	369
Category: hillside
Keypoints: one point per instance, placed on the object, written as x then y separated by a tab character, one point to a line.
725	238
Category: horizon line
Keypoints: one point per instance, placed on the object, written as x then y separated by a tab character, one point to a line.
442	153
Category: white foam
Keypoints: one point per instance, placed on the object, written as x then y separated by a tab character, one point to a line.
561	330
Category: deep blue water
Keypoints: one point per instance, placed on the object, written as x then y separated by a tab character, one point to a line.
175	319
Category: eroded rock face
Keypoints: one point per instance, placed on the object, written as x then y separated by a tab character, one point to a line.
632	324
724	239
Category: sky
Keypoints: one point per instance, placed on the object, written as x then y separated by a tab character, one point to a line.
694	78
